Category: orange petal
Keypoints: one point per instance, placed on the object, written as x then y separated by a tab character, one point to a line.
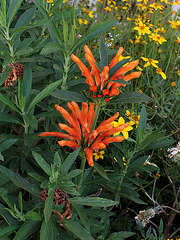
89	156
56	134
67	116
120	73
110	120
68	143
85	71
73	132
85	110
131	76
94	69
104	76
87	50
114	92
91	115
115	60
98	145
113	139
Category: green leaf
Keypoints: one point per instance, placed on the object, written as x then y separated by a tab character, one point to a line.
118	66
93	32
4	117
27	82
100	170
77	230
83	217
53	30
103	53
65	32
12	10
24	51
44	93
32	216
19	181
5	74
73	173
3	7
57	160
50	47
3	191
8	102
20	201
130	97
6	231
46	230
7	144
31	120
69	161
142	124
48	205
27	229
40	160
1	157
161	143
25	18
120	235
36	176
93	201
69	96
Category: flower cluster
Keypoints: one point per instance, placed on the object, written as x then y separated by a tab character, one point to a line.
80	132
100	83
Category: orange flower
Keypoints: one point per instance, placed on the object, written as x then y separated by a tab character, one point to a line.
99	83
79	132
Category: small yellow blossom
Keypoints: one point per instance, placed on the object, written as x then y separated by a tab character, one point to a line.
108	9
140	90
157	38
129	19
49	1
178	40
178	72
126	130
98	155
156	6
90	13
142	29
150	61
159	50
130	40
159	71
176	2
173	84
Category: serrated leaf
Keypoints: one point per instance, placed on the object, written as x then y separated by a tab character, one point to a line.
120	235
6	231
130	97
69	96
26	230
100	170
93	201
42	163
32	216
4	117
48	205
103	53
19	181
8	102
69	161
44	93
50	47
7	144
77	230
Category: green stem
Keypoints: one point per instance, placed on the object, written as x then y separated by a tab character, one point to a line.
83	162
65	74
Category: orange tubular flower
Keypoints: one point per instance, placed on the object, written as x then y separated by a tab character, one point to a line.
79	132
100	86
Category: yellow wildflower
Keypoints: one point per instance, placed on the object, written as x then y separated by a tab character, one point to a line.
145	1
49	1
142	29
178	40
173	84
130	40
178	72
157	38
150	61
159	50
126	130
98	155
156	6
159	71
140	90
108	9
90	13
176	2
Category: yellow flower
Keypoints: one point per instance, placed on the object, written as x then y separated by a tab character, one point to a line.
163	31
173	84
126	130
178	72
156	6
138	68
145	1
98	155
157	38
159	50
130	40
150	61
80	21
176	2
129	114
90	13
108	9
166	1
142	29
159	71
140	90
49	1
124	160
178	40
84	10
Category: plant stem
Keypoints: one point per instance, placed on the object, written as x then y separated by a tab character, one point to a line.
65	73
83	162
